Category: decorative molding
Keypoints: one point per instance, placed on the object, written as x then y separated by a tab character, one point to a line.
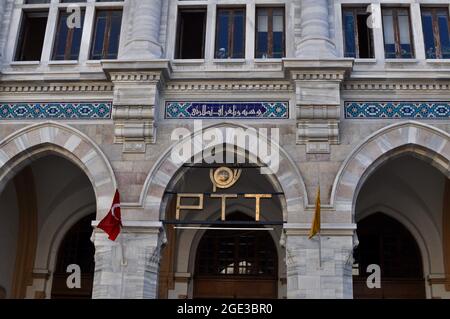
228	86
397	110
318	76
45	88
135	77
400	86
135	96
318	99
56	110
226	109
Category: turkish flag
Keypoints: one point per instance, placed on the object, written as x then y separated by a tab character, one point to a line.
112	223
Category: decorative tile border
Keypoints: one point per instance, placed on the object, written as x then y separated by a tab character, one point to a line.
56	110
403	110
235	110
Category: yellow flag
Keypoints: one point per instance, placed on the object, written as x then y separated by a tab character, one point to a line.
315	226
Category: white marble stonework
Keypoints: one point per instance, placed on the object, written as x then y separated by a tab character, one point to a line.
318	145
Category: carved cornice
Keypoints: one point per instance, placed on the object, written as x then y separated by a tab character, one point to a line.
56	87
127	76
318	76
398	86
228	86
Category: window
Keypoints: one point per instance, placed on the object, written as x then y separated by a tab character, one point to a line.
397	33
31	38
435	23
269	32
191	34
106	34
358	37
230	33
68	40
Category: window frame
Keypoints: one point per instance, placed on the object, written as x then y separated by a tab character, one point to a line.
179	37
106	35
230	27
54	8
355	10
435	25
70	34
396	30
270	31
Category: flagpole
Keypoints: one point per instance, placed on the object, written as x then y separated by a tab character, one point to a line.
320	250
122	248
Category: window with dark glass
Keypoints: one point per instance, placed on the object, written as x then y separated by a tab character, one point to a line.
31	38
358	37
230	33
397	33
436	32
68	39
270	35
105	43
191	34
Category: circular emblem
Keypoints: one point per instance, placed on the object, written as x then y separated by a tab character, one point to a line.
224	177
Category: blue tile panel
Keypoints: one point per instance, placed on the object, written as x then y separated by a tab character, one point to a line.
56	110
232	110
397	110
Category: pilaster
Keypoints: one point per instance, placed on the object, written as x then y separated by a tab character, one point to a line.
128	267
136	94
329	278
318	100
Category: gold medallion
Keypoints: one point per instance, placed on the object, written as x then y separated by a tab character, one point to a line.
224	177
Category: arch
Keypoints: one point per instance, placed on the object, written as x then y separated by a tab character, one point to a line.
287	177
35	141
421	140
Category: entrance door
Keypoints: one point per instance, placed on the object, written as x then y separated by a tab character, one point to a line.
387	243
236	264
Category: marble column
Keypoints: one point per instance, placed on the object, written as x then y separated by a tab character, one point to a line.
307	279
315	41
142	28
128	267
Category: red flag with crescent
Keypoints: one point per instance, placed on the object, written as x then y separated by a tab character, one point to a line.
112	223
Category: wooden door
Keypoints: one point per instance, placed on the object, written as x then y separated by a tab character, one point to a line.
236	264
386	242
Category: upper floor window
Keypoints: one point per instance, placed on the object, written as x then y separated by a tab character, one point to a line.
31	36
230	33
358	37
105	43
436	32
67	39
397	33
191	34
270	35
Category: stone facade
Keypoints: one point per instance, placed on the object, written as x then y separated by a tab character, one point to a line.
319	145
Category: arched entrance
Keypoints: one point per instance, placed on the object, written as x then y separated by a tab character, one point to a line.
405	240
38	206
222	247
236	264
386	242
75	249
402	171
